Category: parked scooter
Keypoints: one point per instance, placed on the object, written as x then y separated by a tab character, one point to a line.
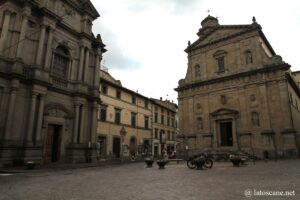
199	161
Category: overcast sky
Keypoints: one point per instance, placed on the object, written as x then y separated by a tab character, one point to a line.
146	39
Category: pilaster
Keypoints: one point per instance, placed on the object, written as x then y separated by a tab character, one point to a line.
4	32
26	14
40	49
31	117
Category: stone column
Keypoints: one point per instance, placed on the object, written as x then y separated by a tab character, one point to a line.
4	31
82	119
31	117
80	69
40	119
10	114
75	126
86	65
40	49
96	72
94	122
26	14
48	50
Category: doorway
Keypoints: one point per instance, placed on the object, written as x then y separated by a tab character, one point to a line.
52	144
102	146
132	146
226	134
116	147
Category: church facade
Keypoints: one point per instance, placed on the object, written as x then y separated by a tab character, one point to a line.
49	81
237	95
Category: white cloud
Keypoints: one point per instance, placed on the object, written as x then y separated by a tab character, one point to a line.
146	39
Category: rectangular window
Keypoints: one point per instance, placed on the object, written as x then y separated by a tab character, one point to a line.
133	119
117	116
169	135
133	100
103	110
221	64
173	124
168	121
156	117
173	136
156	133
162	119
146	104
118	94
146	122
104	89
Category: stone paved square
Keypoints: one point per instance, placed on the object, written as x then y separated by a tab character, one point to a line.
136	182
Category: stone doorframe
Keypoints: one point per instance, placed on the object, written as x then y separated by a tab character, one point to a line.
224	115
57	114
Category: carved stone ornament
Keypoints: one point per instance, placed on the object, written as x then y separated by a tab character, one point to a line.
56	113
252	97
223	99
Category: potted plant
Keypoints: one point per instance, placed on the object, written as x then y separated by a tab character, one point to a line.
235	159
149	161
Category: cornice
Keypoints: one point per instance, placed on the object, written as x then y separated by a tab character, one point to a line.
123	88
266	68
293	84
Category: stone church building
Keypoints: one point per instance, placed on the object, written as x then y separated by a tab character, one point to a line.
49	81
238	95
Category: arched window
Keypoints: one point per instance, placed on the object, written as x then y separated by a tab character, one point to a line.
248	57
197	71
255	118
60	63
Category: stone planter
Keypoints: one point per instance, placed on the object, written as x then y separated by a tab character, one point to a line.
199	163
149	163
161	164
30	165
236	161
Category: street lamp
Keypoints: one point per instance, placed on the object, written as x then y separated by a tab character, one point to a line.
122	134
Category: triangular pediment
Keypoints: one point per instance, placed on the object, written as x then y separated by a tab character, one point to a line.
218	33
224	111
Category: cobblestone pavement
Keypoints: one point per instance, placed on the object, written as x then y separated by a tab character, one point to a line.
136	182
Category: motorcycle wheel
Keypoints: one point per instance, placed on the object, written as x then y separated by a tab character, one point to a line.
208	163
190	164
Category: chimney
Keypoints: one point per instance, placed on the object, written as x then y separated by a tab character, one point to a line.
160	98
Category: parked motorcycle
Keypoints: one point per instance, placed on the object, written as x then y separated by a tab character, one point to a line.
199	161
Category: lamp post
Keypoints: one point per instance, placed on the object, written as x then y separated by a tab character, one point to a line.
122	134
